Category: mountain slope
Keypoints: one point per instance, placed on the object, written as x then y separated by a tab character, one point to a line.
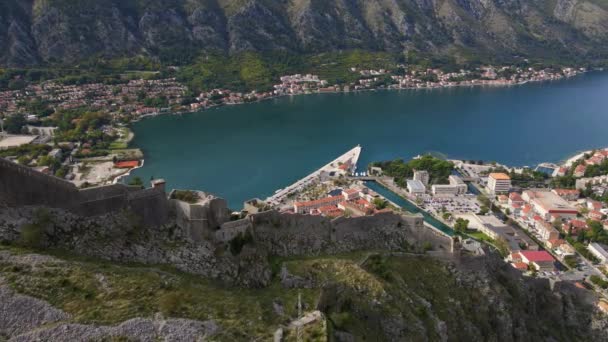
385	298
36	31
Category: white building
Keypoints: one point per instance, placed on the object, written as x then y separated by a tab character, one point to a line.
456	187
598	251
448	189
422	176
415	187
499	183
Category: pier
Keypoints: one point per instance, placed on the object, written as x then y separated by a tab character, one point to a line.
349	158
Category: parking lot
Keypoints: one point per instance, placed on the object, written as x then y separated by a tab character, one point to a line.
461	204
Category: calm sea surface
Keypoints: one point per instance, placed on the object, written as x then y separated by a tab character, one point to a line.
245	151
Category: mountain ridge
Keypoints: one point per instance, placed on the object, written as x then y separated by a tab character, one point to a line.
34	32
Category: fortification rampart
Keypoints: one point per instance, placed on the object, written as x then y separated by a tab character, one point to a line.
296	234
22	186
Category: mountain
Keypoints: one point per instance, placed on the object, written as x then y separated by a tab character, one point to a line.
50	31
387	298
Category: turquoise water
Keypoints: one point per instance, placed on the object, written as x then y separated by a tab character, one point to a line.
398	200
245	151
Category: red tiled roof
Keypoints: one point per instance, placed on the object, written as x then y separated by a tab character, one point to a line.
319	202
537	256
127	164
514	196
520	265
577	223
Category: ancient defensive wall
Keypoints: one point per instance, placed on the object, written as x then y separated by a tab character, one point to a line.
22	186
286	234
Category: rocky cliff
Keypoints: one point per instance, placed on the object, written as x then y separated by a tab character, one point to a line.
40	31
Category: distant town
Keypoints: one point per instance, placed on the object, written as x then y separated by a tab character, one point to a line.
80	131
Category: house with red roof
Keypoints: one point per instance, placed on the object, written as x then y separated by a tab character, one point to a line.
596	215
567	194
527	211
573	227
515	198
541	260
594	205
580	170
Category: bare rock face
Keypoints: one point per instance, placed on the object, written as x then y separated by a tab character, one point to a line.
34	31
23	318
20	314
137	329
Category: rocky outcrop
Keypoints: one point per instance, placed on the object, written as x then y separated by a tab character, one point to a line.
24	318
20	314
34	31
137	329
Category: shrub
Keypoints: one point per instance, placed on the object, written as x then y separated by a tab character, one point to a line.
169	303
377	265
597	280
186	196
239	241
31	236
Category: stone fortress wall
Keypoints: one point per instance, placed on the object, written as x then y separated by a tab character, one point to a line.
22	186
286	234
209	220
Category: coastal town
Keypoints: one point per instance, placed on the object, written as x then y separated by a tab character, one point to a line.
550	222
547	222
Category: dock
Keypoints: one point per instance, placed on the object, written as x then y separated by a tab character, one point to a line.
349	158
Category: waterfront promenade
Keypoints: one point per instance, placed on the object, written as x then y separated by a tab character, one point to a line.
349	158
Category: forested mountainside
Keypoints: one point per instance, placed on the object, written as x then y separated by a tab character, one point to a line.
35	32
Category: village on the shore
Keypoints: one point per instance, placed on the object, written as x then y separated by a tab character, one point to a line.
551	221
80	131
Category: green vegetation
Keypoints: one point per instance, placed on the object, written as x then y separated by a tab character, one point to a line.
95	292
33	234
439	170
186	196
416	290
260	71
26	153
571	261
240	241
527	179
14	124
461	225
136	181
380	203
581	248
597	280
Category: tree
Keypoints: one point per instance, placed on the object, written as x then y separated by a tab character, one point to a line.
136	181
461	225
446	216
380	203
484	210
14	123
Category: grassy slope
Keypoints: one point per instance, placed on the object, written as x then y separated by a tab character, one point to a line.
368	290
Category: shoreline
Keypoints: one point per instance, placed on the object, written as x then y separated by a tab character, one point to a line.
201	110
128	173
354	92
